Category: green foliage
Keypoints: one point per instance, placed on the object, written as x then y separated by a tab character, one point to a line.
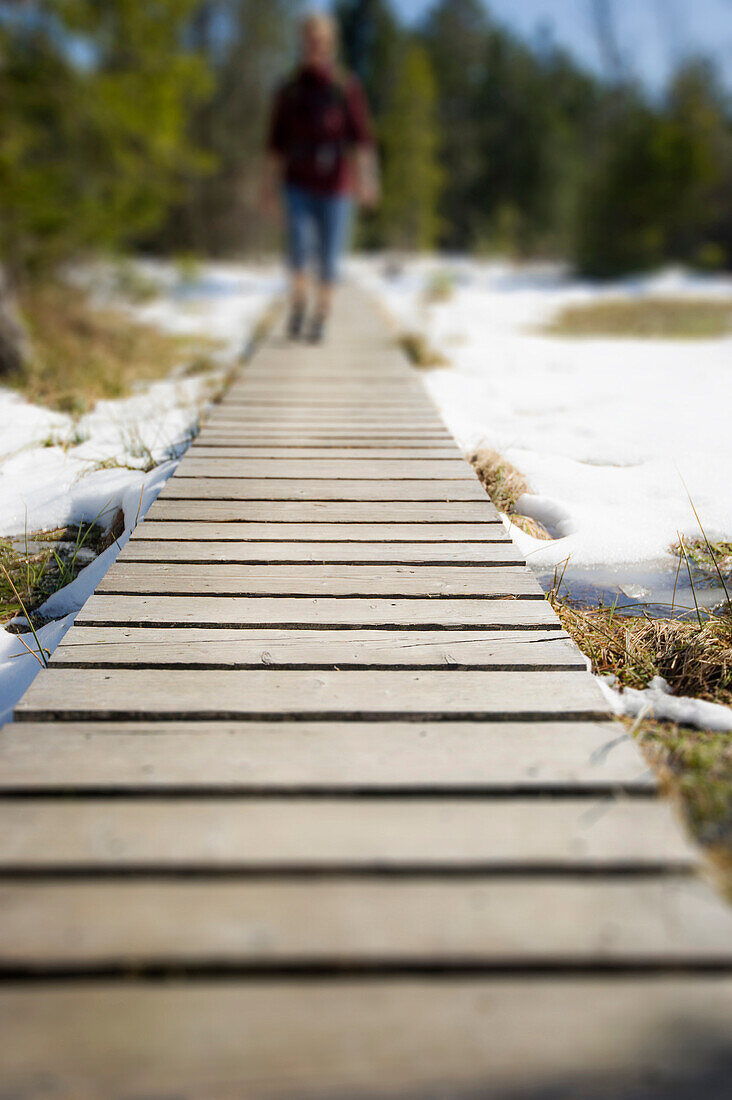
36	565
412	174
657	190
372	42
515	125
372	46
94	104
247	47
140	124
455	35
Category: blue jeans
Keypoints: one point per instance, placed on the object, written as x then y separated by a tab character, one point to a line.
317	225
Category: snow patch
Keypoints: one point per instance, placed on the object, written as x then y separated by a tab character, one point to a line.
657	701
604	430
55	470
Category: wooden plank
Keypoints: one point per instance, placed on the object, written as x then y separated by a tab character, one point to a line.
322	612
412	455
306	388
195	647
334	398
199	552
338	395
393	407
381	1038
397	409
463	537
350	409
337	468
338	834
268	489
316	438
321	436
154	578
244	414
283	511
304	422
348	364
235	693
306	426
321	756
521	923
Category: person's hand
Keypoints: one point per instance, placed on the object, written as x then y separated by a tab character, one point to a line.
368	194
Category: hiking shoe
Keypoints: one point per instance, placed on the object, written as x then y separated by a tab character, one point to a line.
296	322
317	330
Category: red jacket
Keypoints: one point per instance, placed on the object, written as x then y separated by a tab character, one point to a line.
318	117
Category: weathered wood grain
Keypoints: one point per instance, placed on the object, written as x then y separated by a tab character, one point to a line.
520	923
322	612
320	720
240	834
457	1038
338	468
243	416
321	437
415	456
235	693
201	552
390	400
353	412
461	537
281	511
339	397
270	489
154	578
322	756
195	647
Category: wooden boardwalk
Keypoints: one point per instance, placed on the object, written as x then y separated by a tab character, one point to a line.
317	800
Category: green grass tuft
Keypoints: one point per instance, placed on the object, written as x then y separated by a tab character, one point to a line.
34	566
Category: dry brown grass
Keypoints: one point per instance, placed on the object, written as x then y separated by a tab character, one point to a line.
647	318
504	485
80	354
420	352
440	287
695	659
695	766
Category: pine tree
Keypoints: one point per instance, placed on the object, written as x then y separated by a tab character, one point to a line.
248	47
412	175
93	116
660	190
455	34
371	42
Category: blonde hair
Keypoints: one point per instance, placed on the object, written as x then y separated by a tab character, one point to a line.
320	20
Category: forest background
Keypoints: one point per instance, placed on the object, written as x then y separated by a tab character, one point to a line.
127	126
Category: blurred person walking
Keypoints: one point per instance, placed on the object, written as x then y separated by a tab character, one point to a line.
320	155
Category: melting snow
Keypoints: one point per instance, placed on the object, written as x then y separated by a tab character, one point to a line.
52	467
